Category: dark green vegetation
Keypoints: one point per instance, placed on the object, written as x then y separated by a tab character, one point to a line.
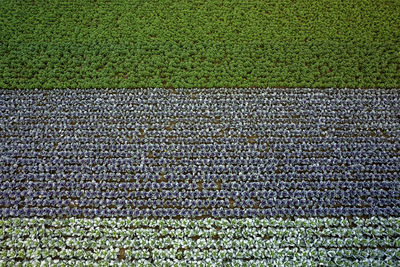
126	43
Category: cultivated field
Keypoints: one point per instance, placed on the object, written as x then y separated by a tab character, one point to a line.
200	133
188	44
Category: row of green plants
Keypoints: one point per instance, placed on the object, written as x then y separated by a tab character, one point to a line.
86	44
177	242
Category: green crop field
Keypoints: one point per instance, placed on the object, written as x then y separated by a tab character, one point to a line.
172	44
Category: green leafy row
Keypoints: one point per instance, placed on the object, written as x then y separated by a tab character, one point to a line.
174	44
235	242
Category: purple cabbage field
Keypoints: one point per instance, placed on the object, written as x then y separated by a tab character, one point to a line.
199	153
